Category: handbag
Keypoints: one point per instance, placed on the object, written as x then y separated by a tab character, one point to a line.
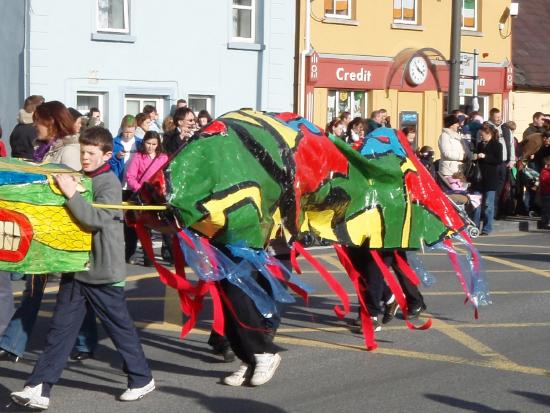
473	174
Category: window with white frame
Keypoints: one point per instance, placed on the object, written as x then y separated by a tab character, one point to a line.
201	102
112	16
405	11
338	8
469	15
352	101
87	100
244	20
133	104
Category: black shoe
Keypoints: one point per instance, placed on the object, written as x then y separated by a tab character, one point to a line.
415	312
228	355
390	311
82	355
376	326
6	355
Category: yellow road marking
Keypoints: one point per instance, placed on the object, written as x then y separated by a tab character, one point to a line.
513	245
523	268
172	313
467	341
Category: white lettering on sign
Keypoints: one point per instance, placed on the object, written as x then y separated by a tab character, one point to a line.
481	81
362	75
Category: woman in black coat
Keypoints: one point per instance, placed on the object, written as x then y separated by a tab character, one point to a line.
489	157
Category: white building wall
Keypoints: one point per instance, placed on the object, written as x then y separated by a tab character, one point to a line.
175	49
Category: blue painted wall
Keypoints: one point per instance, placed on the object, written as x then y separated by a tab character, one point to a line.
12	38
175	49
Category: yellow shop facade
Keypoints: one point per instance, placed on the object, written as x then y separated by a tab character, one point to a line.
365	55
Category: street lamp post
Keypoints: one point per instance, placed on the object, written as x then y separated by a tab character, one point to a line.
454	79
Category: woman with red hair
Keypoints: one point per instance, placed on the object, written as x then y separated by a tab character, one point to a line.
57	135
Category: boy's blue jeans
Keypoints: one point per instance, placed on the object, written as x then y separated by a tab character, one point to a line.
109	303
19	329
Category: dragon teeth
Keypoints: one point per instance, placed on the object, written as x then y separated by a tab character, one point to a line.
10	236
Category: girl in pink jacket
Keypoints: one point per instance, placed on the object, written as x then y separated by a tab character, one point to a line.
149	159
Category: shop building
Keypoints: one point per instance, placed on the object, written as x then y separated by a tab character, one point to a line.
531	62
394	55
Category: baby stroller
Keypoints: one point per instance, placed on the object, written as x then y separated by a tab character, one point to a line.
462	203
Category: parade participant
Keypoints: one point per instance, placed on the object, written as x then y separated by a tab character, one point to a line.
337	128
375	121
24	134
203	118
6	300
56	132
537	126
66	149
126	145
454	151
148	160
508	158
101	287
356	132
426	157
378	291
3	152
410	133
153	114
185	122
489	157
346	118
143	124
544	183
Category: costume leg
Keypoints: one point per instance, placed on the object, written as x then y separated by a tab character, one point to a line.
249	340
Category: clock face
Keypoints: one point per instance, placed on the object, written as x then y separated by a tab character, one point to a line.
417	71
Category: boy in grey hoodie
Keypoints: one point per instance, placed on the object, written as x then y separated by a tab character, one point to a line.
102	287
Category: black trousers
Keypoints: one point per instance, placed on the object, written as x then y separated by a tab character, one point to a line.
130	235
376	289
502	172
256	337
109	304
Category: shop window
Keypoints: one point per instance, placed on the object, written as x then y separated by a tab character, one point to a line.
244	20
133	104
353	101
201	102
405	11
338	8
112	16
469	15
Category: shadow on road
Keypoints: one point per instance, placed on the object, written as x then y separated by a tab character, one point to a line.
543	399
465	405
520	256
222	404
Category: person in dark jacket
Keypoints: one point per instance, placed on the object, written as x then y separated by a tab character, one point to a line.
186	126
537	126
489	157
24	134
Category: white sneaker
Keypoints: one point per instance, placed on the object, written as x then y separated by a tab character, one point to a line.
266	365
376	324
131	395
239	377
31	397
